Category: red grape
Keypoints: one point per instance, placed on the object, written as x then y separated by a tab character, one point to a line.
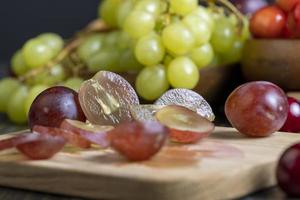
249	6
268	22
54	105
288	171
287	5
138	141
292	123
257	108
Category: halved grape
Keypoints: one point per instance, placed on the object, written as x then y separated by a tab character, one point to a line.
186	126
189	99
138	141
105	99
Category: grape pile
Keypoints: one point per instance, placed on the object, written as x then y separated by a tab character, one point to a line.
166	42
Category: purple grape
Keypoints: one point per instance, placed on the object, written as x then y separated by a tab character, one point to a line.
249	6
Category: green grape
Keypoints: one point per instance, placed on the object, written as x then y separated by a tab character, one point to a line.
52	40
90	46
32	94
16	105
223	36
150	6
183	73
73	83
205	15
167	60
128	61
150	50
199	28
152	82
139	23
234	54
107	59
51	77
216	61
18	64
124	41
7	87
124	10
202	56
246	30
111	40
36	53
177	39
108	10
183	7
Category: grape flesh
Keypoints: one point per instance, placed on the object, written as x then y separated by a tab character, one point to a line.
54	105
183	73
257	109
138	141
152	82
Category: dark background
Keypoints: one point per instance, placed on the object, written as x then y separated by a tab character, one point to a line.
24	19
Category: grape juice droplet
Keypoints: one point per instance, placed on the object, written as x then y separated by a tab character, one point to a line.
257	108
106	98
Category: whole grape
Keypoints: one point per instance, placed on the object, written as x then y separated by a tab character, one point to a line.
7	88
257	109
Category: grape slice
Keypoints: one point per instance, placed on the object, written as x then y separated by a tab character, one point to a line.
14	141
144	112
186	126
39	147
102	97
138	141
189	99
71	137
93	133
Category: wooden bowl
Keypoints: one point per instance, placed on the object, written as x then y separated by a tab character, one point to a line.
277	61
212	81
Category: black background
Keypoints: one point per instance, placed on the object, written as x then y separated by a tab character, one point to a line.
23	19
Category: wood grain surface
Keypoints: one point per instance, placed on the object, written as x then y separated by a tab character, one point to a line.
224	166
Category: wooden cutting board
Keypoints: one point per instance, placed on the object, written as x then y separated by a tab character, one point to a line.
224	166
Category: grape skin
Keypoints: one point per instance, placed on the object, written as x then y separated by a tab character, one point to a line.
183	73
152	82
149	50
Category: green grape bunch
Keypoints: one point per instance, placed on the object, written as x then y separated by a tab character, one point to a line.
171	41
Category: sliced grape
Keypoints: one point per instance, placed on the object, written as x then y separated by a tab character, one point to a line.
186	126
93	133
102	97
71	137
14	141
188	99
41	146
138	141
144	112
